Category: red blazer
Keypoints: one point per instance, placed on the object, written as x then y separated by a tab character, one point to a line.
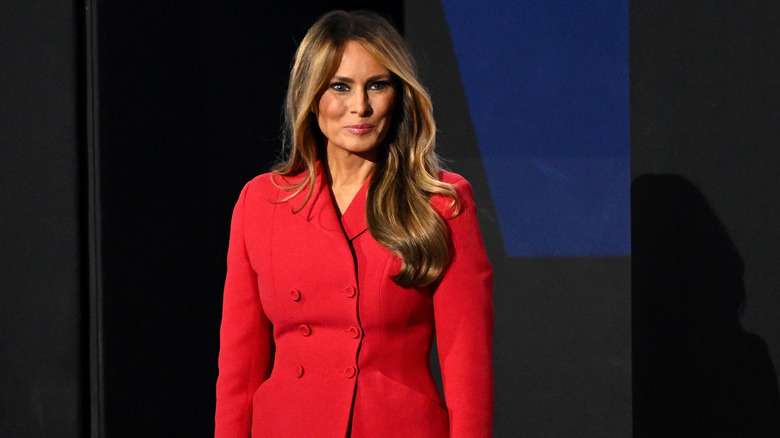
317	340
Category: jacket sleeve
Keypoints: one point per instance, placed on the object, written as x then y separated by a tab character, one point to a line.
463	311
246	343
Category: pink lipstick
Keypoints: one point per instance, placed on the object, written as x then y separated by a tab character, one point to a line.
360	129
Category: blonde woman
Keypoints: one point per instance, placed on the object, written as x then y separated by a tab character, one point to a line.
346	260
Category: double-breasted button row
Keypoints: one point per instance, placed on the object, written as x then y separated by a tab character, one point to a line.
305	330
348	372
349	292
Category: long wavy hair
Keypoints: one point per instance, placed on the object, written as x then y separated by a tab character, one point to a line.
399	213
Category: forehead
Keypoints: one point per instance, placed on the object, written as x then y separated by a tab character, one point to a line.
356	60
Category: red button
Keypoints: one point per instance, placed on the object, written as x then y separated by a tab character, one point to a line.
350	292
304	330
295	295
299	371
350	372
353	331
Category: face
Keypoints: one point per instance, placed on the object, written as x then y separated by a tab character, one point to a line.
355	110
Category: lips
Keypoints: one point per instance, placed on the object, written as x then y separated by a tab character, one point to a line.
360	129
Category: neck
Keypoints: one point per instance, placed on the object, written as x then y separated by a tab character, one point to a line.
346	174
346	170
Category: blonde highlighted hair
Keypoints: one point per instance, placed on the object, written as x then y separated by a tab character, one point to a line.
399	214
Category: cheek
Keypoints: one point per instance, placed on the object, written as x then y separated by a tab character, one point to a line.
330	107
326	113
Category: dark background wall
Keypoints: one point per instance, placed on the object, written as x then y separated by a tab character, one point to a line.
705	102
42	385
705	105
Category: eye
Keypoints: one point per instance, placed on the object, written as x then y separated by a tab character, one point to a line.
379	85
339	87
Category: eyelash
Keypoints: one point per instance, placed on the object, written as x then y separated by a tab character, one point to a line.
341	87
379	85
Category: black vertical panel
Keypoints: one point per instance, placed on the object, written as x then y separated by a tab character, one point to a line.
705	105
190	98
41	287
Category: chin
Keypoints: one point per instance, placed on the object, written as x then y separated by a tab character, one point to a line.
362	147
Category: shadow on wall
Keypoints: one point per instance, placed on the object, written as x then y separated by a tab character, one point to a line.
696	372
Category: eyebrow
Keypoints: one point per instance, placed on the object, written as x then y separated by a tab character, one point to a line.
384	76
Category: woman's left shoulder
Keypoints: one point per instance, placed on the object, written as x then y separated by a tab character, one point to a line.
462	189
451	178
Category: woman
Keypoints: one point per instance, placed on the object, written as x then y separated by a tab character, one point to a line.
343	260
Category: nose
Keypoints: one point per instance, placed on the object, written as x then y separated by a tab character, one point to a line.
360	103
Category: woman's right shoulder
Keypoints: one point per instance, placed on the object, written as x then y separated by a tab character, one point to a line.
269	186
262	184
258	199
259	191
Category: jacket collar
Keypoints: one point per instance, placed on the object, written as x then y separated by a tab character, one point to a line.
321	211
354	218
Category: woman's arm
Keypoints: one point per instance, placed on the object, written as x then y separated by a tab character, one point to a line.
246	343
463	311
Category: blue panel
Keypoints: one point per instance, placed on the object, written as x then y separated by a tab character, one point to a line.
547	87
